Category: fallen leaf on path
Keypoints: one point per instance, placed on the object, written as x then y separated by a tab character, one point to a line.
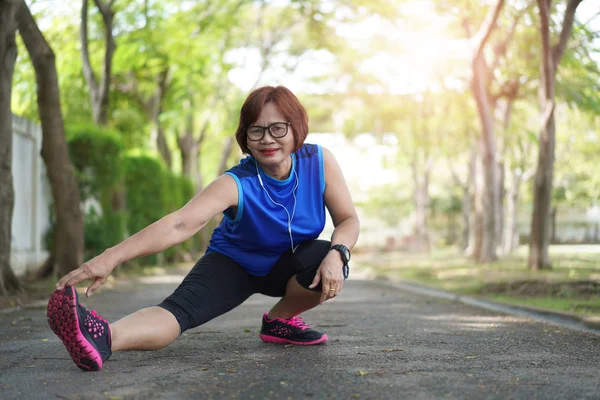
362	373
44	340
470	356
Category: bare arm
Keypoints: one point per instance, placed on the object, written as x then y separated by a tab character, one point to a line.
180	225
339	203
347	226
167	232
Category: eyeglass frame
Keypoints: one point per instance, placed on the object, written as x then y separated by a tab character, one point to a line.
268	127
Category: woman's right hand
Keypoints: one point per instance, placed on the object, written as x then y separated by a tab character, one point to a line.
96	269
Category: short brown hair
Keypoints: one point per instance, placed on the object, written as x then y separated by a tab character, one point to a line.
287	104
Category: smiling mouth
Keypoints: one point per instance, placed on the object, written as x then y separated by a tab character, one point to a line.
268	151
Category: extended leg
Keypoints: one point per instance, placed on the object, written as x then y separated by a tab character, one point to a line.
151	328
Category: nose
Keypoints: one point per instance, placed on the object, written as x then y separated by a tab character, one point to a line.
270	138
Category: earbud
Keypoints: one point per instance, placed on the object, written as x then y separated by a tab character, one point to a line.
290	218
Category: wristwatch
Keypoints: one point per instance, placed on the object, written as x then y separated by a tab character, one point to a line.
345	254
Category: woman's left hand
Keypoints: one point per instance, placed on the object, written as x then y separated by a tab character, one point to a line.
330	275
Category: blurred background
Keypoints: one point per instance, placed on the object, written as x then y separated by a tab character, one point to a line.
468	132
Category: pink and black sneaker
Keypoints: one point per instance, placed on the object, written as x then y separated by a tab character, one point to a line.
289	330
85	333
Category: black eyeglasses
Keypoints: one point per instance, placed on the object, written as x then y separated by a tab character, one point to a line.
276	129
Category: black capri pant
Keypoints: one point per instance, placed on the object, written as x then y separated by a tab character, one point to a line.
217	284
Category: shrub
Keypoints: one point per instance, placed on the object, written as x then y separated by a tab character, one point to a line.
153	192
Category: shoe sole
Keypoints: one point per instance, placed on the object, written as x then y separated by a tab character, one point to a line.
64	322
274	339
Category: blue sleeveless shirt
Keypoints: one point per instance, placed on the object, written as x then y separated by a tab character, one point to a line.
257	235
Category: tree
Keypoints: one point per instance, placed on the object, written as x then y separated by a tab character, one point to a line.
67	250
99	92
486	198
551	55
8	57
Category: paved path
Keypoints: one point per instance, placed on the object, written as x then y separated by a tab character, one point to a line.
385	343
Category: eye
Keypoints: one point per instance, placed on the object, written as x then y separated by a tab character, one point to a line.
255	131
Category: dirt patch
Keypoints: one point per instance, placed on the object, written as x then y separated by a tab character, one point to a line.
532	288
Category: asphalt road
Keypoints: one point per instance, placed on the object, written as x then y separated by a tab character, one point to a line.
385	343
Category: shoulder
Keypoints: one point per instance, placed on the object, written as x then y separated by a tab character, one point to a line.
328	157
245	168
308	150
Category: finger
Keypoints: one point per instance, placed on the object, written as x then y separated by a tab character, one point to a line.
83	275
92	288
332	291
324	292
67	279
338	288
315	281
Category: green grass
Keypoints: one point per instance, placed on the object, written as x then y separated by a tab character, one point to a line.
448	270
583	307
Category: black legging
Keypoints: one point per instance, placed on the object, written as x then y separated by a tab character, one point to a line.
217	284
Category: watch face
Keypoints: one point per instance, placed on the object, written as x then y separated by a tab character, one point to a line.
347	254
344	252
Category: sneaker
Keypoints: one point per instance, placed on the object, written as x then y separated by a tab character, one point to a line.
85	333
290	330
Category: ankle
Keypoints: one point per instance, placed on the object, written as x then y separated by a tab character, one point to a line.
273	315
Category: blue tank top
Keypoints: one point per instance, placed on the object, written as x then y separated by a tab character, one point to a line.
257	235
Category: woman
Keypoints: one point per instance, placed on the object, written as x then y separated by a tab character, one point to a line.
273	203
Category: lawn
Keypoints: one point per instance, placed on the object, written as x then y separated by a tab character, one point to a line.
572	285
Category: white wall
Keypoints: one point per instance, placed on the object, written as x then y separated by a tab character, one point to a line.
32	197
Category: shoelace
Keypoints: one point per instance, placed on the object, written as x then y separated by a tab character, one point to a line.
94	314
297	322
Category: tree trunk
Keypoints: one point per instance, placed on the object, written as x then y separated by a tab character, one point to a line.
8	57
476	241
542	192
511	235
99	93
466	218
225	155
554	214
486	197
421	199
67	251
500	200
189	147
155	109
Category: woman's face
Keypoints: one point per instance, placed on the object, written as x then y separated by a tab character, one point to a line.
272	152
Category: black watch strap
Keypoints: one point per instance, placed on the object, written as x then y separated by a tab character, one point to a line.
345	254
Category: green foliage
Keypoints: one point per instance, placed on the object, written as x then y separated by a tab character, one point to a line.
153	192
102	230
96	153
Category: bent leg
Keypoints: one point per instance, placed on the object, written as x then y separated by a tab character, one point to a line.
291	277
296	300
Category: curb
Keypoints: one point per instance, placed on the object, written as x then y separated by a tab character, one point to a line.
541	315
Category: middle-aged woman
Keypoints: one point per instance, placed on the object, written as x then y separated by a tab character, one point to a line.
273	204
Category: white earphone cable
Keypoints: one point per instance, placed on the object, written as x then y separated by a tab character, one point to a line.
290	217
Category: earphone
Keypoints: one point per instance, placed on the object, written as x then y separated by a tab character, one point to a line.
290	217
